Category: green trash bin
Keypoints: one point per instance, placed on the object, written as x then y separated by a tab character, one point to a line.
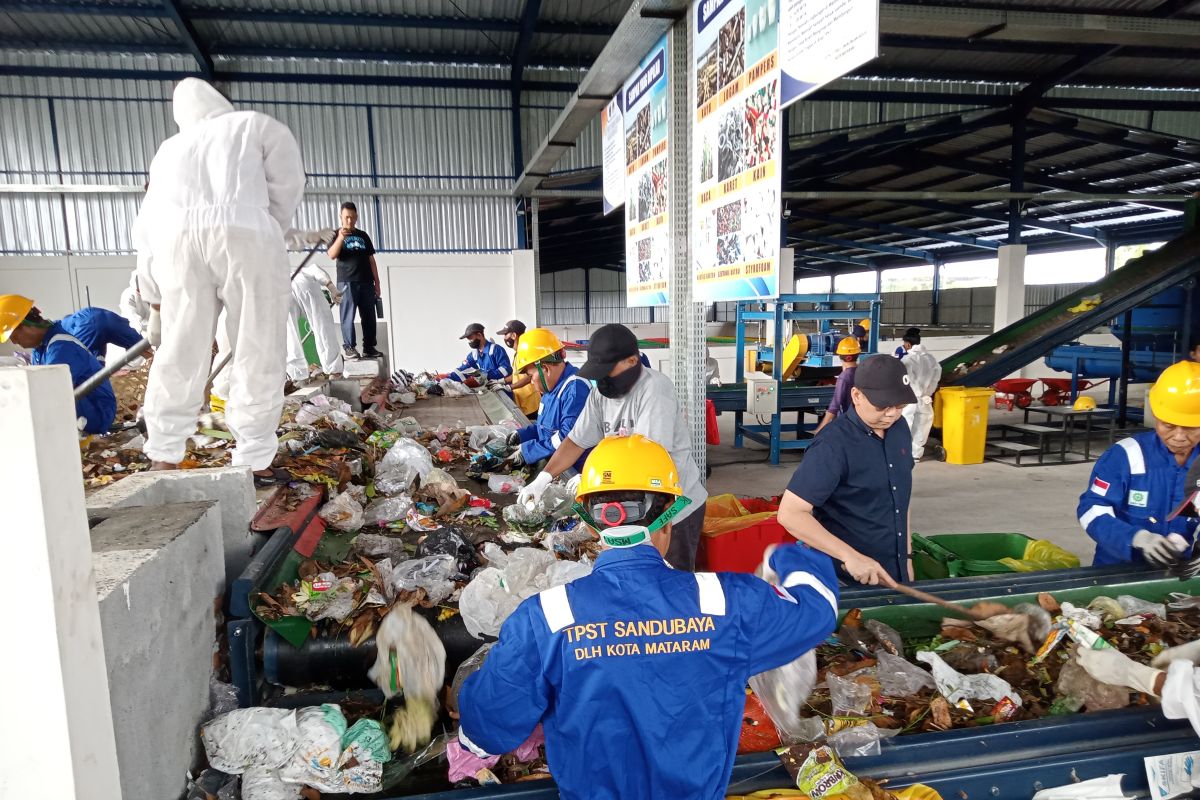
953	555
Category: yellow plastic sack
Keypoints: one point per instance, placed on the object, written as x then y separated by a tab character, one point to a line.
915	792
1042	555
724	514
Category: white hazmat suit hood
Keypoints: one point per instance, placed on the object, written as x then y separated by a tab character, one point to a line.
195	101
210	234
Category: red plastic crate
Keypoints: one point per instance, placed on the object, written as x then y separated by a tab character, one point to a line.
742	550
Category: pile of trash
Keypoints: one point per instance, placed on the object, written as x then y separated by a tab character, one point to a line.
872	684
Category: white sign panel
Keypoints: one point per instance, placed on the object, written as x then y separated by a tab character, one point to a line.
612	134
822	40
648	248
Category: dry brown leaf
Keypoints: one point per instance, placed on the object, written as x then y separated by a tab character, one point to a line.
1047	601
939	709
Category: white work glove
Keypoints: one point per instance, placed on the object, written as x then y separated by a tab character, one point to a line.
1157	550
334	294
516	458
573	485
154	328
532	493
1184	652
1111	666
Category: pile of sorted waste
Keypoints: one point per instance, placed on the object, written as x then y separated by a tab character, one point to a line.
872	684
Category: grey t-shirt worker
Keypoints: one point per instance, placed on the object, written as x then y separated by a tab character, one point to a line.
632	399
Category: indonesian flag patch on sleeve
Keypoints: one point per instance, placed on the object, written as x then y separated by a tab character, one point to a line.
1100	487
785	596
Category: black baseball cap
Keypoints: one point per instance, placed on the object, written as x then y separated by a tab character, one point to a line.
913	336
512	326
608	345
473	328
884	380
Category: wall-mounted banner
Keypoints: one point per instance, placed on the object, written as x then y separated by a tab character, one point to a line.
822	40
647	225
735	147
612	134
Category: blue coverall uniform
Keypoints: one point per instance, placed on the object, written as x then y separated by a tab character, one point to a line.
637	672
1134	486
98	408
97	328
557	413
492	363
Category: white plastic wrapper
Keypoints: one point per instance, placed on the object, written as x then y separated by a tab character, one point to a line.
900	678
385	510
431	573
955	686
343	513
505	484
407	452
485	603
250	737
482	435
265	784
419	653
784	692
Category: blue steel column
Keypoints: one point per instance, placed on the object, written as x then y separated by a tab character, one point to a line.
739	369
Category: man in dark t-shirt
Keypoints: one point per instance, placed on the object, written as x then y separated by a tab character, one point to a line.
357	280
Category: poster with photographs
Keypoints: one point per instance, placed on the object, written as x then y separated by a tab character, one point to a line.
736	147
612	135
647	227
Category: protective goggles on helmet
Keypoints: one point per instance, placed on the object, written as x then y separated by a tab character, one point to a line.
602	517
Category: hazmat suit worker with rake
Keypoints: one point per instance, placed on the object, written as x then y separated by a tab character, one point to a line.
221	194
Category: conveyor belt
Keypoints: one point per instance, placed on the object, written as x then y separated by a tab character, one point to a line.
794	396
1023	342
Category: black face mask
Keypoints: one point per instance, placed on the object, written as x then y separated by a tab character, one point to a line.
621	385
510	342
475	343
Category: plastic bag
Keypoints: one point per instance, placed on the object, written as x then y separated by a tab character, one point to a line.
485	603
466	669
725	513
395	480
250	737
335	602
1074	681
888	637
453	388
387	509
409	657
563	572
955	686
319	737
900	678
379	546
265	784
783	692
524	519
1083	616
442	487
567	542
1136	606
482	435
525	572
410	452
1041	555
448	541
557	501
860	740
494	555
432	573
409	426
344	421
505	484
343	513
848	695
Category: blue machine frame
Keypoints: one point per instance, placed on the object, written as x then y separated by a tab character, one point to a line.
782	311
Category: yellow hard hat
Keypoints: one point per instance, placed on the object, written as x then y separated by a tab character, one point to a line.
629	463
1085	403
13	310
865	322
535	344
849	347
1175	399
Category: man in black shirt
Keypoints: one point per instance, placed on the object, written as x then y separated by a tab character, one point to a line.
358	281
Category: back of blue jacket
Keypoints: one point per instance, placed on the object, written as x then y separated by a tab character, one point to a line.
638	671
492	362
556	416
97	328
99	408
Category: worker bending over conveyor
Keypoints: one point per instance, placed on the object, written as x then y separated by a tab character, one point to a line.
637	671
630	398
485	356
526	394
1139	481
541	357
97	328
50	344
309	285
222	191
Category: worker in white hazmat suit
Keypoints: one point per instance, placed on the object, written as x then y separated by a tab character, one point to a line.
308	300
221	193
924	374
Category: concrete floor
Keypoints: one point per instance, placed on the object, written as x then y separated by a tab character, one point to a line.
990	497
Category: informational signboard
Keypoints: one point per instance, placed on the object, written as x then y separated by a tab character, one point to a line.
822	40
648	249
736	146
612	134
